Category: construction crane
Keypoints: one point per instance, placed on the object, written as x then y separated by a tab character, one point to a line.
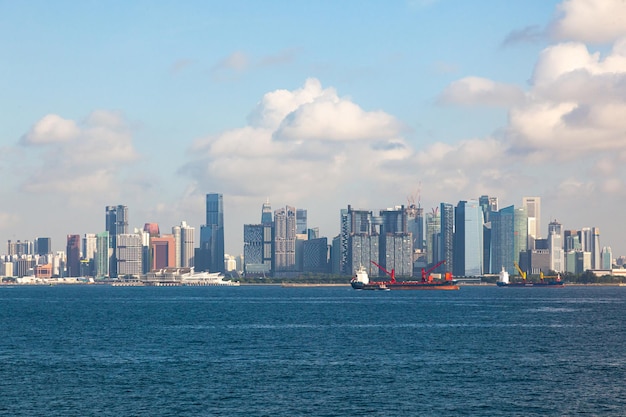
426	273
522	273
392	274
542	276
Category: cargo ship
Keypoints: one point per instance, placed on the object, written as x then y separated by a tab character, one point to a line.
544	281
361	281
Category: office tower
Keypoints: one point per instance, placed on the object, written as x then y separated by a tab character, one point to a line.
187	243
129	254
301	221
266	213
284	239
163	252
351	222
607	258
210	255
502	246
89	246
488	205
73	255
152	229
102	255
596	255
533	212
468	239
253	249
520	232
555	246
398	253
433	229
571	240
362	250
44	246
447	237
177	245
315	257
116	224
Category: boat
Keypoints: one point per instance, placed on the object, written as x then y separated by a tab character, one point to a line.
361	281
503	280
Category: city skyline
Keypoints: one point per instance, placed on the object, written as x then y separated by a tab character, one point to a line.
441	100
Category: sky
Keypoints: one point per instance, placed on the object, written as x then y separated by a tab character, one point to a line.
317	105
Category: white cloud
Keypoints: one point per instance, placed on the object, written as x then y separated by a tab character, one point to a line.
51	129
593	21
77	158
470	91
296	146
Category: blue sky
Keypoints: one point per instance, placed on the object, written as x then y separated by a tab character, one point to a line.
312	104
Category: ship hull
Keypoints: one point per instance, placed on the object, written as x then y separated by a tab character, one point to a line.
554	284
407	285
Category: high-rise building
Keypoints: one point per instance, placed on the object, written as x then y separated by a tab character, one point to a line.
73	255
447	237
44	246
284	239
116	224
468	239
89	246
187	243
533	212
177	243
351	222
502	242
129	254
315	257
555	246
596	254
102	255
488	205
301	221
433	228
607	258
266	213
163	251
520	232
212	236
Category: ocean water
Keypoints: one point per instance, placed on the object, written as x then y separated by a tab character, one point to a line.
272	351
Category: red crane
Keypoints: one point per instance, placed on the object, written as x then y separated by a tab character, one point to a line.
426	273
391	274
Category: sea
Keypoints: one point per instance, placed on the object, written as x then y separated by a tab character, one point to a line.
97	350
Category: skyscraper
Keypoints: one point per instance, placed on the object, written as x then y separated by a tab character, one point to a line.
116	224
502	245
44	246
533	211
73	255
433	229
351	222
301	221
102	255
187	239
447	237
556	246
284	239
210	255
129	254
468	239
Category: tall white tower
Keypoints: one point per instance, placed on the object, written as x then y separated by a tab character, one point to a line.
533	210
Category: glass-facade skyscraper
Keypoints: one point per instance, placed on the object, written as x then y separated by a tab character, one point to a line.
210	255
447	237
116	224
468	239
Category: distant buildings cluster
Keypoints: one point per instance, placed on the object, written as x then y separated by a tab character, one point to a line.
473	238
